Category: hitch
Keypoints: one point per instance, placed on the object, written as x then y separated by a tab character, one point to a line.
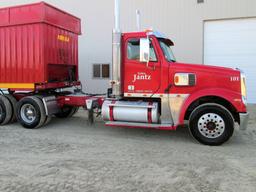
92	105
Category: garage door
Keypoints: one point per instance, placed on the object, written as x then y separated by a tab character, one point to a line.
232	43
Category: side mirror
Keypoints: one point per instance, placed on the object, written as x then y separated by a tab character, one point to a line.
144	50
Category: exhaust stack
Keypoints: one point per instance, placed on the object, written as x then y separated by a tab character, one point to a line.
116	51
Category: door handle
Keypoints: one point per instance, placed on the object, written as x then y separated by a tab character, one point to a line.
151	66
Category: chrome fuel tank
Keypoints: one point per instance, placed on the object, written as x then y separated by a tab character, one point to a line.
126	111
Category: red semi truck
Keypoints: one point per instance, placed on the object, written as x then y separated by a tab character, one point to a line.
39	61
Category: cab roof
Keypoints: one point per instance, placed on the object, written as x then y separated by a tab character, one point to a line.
157	34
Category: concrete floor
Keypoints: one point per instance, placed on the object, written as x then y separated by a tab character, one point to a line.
68	155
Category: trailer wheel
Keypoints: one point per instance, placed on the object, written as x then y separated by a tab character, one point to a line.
211	124
31	112
5	110
67	112
13	102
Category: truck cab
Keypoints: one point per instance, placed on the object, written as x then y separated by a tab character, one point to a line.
149	88
159	92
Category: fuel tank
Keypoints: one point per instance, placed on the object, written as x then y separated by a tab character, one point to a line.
126	111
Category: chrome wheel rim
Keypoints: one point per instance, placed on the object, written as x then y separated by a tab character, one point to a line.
28	113
211	125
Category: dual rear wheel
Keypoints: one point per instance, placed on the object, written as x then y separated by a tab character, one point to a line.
29	111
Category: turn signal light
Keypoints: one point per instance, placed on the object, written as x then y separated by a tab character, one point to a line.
184	79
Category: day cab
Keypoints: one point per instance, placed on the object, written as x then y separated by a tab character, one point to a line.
159	92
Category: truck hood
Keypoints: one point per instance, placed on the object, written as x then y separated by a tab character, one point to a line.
208	77
206	68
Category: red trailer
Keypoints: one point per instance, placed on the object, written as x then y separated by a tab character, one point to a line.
39	47
38	59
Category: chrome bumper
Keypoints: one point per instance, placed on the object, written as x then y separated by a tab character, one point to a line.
244	118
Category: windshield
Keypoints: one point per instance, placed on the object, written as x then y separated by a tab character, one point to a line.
166	48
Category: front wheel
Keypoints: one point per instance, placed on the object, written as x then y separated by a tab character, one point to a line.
211	124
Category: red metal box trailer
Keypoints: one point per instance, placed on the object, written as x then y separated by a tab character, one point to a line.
38	47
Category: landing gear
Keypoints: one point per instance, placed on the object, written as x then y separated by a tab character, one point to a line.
211	124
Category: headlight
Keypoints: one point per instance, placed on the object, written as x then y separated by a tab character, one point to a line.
243	88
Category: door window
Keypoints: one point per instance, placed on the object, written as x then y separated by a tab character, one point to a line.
133	50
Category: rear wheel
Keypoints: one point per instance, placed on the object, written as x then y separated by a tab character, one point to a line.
67	112
5	110
211	124
13	102
31	112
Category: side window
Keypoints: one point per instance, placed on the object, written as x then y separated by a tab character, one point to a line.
133	50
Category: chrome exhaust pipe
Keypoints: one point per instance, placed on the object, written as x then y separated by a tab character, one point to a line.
138	20
116	54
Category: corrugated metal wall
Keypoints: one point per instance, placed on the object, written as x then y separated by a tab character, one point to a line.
181	20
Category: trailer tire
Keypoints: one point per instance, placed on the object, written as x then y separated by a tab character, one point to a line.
5	110
67	112
13	102
211	124
31	112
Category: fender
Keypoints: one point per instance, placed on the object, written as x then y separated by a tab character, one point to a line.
233	97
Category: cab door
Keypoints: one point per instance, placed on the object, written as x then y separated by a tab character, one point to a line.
141	78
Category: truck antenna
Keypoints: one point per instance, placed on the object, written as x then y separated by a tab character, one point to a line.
138	19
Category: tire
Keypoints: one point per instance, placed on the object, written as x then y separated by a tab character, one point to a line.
5	110
35	107
13	102
47	120
211	124
67	112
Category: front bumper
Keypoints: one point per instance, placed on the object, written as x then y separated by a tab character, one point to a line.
244	118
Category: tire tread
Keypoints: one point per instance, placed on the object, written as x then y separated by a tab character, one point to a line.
8	110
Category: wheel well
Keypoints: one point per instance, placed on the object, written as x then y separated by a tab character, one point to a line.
212	99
